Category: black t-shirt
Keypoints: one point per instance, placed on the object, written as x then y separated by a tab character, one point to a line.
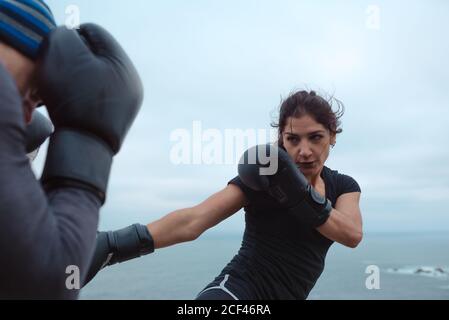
280	258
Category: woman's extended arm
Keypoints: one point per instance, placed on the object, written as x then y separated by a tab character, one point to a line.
179	226
345	222
188	224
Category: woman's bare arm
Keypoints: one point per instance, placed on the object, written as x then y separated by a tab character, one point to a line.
345	222
188	224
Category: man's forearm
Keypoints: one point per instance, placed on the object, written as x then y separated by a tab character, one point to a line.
41	235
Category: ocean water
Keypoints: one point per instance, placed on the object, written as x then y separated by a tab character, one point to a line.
411	266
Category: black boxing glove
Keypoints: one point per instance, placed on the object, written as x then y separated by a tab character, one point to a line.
93	93
269	168
119	246
39	129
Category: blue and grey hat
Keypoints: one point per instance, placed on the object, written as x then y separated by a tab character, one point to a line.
24	24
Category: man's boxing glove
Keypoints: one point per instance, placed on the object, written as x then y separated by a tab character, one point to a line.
119	246
93	93
270	169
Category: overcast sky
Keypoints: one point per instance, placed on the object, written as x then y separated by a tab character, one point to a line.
227	64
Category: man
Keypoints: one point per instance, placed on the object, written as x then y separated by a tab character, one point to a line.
92	93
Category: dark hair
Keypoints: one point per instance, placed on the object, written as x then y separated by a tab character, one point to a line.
303	103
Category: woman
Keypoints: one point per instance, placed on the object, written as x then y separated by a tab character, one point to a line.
280	257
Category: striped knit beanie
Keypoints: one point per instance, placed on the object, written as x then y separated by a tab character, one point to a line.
24	24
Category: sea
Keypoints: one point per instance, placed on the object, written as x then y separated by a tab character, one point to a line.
385	266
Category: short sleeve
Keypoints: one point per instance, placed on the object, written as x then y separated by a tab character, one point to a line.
347	184
250	194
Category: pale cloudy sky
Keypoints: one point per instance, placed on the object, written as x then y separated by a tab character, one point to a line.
227	64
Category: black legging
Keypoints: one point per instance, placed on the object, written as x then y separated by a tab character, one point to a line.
222	288
214	294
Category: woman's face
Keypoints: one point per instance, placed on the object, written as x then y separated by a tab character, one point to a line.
308	143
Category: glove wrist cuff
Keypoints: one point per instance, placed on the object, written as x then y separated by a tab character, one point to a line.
311	212
146	240
129	243
322	205
80	158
